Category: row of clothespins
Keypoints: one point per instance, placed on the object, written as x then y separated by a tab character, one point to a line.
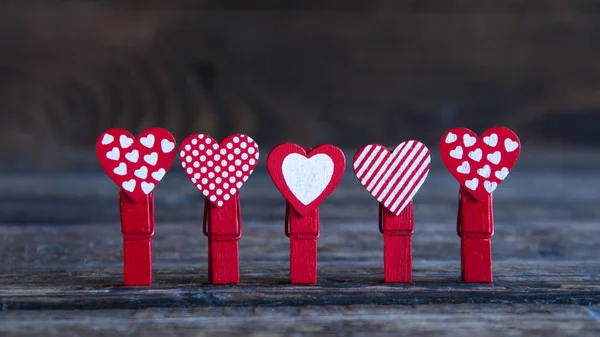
305	177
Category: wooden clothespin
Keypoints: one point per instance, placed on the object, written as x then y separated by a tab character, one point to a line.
136	165
219	171
305	177
394	178
480	165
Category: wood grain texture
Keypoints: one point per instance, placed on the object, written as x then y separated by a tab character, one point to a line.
61	270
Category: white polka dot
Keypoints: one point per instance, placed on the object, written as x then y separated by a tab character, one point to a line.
203	169
245	178
194	141
200	136
243	145
189	170
182	153
194	180
188	159
208	140
226	197
231	168
229	146
251	150
197	175
183	164
211	186
232	180
217	169
256	156
205	192
202	158
209	152
223	162
188	147
220	203
250	140
250	171
210	163
236	151
230	156
252	161
225	174
199	187
215	146
238	174
211	175
225	185
219	191
232	190
195	153
196	164
204	181
201	147
238	162
239	184
217	157
245	168
236	139
213	198
223	151
218	180
244	156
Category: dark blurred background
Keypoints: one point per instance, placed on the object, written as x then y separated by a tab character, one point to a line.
345	71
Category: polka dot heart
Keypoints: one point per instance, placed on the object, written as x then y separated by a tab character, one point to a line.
136	165
218	170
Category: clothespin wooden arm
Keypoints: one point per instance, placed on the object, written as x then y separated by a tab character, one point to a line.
303	233
137	227
397	244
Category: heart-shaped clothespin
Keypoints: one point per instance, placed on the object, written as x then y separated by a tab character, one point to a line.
305	177
393	178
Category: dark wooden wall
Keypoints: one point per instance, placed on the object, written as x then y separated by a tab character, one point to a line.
340	71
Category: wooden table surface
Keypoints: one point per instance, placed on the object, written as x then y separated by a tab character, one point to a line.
61	271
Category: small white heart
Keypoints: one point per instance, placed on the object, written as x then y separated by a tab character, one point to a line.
468	140
476	155
129	185
472	184
113	154
502	174
151	158
490	186
141	173
451	138
147	187
465	168
457	153
132	156
147	141
491	140
125	141
107	139
167	146
485	171
158	175
510	145
121	169
494	158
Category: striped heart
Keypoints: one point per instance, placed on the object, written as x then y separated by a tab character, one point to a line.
393	178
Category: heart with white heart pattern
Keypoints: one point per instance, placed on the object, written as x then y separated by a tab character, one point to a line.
218	170
488	158
136	165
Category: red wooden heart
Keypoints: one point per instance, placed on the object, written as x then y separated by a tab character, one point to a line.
393	178
306	177
136	165
218	170
480	164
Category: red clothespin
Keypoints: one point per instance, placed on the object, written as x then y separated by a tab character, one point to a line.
305	177
136	166
480	165
394	178
219	171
